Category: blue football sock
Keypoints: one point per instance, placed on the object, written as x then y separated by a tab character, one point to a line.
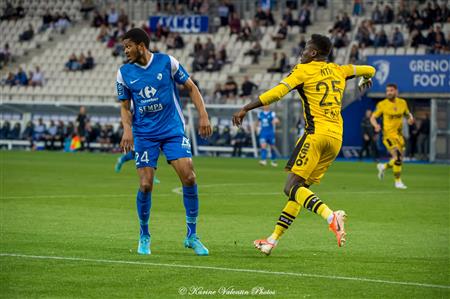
144	203
127	157
263	154
190	200
273	154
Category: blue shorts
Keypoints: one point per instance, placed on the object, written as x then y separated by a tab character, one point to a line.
267	139
147	150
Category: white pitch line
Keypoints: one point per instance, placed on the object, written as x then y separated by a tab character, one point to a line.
361	279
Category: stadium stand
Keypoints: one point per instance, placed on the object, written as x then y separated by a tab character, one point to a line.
238	30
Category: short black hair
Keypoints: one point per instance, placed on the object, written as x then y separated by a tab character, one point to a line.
137	35
322	44
392	85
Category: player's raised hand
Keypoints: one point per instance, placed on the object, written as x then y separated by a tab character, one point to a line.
364	84
127	144
204	127
238	117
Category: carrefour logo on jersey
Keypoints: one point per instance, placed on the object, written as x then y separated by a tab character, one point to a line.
148	94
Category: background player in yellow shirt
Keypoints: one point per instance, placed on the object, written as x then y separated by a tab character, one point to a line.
393	109
321	86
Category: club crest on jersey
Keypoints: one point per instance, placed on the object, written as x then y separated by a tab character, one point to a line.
159	77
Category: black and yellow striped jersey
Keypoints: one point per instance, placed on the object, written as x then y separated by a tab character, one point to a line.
321	87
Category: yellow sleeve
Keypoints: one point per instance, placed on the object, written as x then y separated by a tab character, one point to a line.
350	71
378	110
407	112
274	94
282	89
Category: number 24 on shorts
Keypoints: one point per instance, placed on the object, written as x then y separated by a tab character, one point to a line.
144	158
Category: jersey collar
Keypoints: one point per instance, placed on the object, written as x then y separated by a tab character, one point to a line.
148	63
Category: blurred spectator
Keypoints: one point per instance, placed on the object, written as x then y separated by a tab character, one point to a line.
105	137
369	138
88	62
123	17
47	21
238	141
222	55
388	14
218	91
377	16
357	7
230	89
72	64
380	39
5	55
417	38
62	22
354	54
339	38
270	21
247	87
86	7
304	18
278	66
50	136
103	35
21	77
99	19
397	38
280	35
256	33
297	51
27	35
113	17
14	134
81	120
260	16
39	131
423	138
287	17
235	24
38	78
10	79
255	51
223	12
209	46
343	23
28	133
4	132
224	137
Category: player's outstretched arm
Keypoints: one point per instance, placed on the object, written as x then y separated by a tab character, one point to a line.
204	126
127	138
267	98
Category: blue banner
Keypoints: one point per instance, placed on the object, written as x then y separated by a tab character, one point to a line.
183	24
412	73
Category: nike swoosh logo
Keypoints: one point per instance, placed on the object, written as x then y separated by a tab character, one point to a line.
134	81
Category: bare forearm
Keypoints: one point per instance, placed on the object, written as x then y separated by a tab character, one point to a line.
197	99
126	117
253	105
373	121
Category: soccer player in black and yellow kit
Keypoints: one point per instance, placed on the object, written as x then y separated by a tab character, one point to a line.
393	109
321	86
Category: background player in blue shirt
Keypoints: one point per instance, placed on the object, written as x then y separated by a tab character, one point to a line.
153	121
267	121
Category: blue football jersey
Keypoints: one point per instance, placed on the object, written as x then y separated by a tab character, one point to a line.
154	96
266	122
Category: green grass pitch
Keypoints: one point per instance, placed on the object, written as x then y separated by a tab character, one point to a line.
69	230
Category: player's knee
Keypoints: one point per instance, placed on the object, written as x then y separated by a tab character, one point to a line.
146	186
189	179
398	158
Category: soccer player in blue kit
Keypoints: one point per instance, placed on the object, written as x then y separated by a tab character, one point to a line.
267	121
153	121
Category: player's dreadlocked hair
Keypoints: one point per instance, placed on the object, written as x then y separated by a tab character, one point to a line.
137	35
322	44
